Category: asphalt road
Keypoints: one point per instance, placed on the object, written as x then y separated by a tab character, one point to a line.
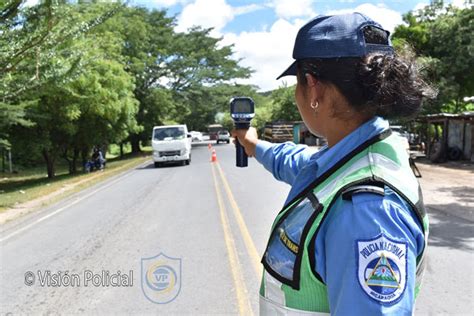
209	222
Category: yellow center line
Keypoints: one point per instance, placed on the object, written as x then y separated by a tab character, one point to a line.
241	290
250	245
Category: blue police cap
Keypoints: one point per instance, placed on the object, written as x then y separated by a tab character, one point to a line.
334	36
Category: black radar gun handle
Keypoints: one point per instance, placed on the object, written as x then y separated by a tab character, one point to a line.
241	158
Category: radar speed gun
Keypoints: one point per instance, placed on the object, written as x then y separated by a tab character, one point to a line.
242	111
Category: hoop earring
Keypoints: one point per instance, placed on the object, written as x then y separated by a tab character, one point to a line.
314	106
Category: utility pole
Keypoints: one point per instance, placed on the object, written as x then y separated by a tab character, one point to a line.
10	160
3	160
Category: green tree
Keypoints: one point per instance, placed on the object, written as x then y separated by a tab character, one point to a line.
31	37
284	105
215	104
443	37
15	29
174	72
146	41
98	107
263	115
83	95
200	71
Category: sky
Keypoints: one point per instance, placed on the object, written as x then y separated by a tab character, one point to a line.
263	32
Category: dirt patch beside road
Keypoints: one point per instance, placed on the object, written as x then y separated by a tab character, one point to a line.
448	187
448	191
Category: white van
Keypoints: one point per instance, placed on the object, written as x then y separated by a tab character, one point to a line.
171	143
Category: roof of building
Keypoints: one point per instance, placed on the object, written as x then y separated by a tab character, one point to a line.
442	116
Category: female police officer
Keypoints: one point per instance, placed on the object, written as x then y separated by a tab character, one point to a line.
352	235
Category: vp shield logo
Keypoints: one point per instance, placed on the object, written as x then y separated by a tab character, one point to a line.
161	278
382	265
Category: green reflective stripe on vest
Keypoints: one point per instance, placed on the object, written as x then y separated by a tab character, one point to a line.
383	161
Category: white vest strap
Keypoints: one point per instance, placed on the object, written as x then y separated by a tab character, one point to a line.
273	291
268	307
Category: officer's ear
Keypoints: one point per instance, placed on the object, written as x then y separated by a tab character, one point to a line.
315	84
311	81
315	87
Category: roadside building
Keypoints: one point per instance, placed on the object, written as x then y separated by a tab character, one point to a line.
295	131
448	136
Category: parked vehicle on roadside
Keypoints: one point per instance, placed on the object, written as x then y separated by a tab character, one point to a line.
213	129
171	143
404	135
196	136
223	136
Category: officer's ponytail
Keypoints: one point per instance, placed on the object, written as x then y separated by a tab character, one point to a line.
392	86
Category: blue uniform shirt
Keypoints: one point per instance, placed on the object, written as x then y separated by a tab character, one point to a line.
364	217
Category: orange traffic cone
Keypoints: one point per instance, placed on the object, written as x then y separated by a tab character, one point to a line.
213	156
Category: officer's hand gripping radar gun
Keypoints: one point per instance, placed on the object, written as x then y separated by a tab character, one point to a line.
242	111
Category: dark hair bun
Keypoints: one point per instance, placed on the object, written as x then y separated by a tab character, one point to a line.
378	84
392	86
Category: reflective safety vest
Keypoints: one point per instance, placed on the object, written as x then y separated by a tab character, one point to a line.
290	283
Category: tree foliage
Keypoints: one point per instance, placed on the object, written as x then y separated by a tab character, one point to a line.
85	73
284	104
175	73
443	38
70	90
37	47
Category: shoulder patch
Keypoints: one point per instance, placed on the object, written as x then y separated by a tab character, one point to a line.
381	268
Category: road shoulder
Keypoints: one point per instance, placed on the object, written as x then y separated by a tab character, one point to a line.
23	209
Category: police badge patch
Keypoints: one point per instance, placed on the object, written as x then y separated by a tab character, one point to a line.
382	265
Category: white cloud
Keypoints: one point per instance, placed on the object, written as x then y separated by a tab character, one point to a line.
30	3
463	4
269	53
388	18
420	6
292	8
165	3
246	9
205	13
210	13
168	3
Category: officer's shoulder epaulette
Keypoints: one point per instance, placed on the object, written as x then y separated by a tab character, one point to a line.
377	188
